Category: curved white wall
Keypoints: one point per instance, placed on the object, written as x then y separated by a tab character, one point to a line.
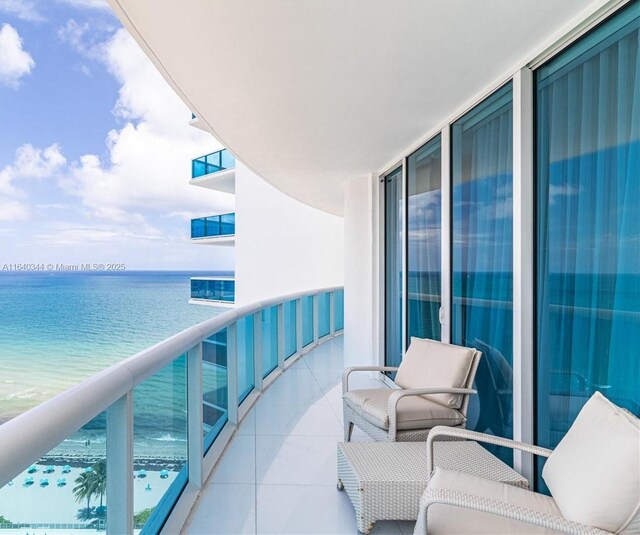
282	245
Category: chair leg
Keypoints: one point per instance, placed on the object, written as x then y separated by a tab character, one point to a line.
348	429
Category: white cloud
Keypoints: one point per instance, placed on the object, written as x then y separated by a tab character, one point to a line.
75	235
15	62
148	162
23	9
12	210
74	33
29	163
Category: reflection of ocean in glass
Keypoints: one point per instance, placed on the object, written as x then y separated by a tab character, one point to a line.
482	252
424	232
588	225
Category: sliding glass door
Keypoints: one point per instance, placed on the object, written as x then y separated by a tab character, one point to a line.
588	225
482	254
393	215
424	239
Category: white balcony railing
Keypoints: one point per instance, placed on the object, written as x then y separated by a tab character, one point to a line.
223	363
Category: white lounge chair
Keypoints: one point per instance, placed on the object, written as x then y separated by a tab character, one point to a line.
435	381
593	476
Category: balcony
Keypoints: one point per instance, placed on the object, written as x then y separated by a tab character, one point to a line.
278	474
213	290
214	230
153	427
214	171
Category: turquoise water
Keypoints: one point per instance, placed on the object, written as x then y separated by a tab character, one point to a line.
57	329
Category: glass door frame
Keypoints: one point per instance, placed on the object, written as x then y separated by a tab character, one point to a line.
523	252
382	279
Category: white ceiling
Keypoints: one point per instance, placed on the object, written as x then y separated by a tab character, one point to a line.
312	93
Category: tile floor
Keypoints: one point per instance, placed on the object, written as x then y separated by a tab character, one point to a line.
278	474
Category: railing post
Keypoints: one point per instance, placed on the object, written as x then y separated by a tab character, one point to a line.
194	415
332	313
120	466
280	313
257	349
232	373
316	318
299	326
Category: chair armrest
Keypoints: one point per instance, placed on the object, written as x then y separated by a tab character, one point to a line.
397	395
506	510
348	371
465	434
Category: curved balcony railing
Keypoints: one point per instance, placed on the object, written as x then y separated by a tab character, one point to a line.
139	438
215	226
212	163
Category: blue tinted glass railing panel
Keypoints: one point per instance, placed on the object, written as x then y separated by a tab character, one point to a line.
215	386
482	252
588	227
212	163
339	310
246	357
26	503
269	340
307	320
324	314
160	443
213	290
290	331
213	226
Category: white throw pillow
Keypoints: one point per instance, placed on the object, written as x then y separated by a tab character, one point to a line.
594	472
431	364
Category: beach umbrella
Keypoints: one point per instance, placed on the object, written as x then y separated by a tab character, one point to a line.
88	470
148	487
164	474
28	481
49	470
66	469
10	484
61	482
32	469
142	473
44	482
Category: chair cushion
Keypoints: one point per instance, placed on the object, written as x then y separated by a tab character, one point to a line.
446	519
430	364
594	472
414	412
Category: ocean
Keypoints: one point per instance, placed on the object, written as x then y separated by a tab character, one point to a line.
57	329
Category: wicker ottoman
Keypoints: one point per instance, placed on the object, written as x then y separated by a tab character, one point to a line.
385	480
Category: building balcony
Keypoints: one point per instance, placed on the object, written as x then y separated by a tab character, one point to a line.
214	171
278	474
214	230
213	290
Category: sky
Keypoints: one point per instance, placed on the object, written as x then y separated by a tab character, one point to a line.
95	147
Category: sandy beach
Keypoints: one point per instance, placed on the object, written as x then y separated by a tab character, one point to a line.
57	505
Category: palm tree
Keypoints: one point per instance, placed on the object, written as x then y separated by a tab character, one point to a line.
85	487
99	474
